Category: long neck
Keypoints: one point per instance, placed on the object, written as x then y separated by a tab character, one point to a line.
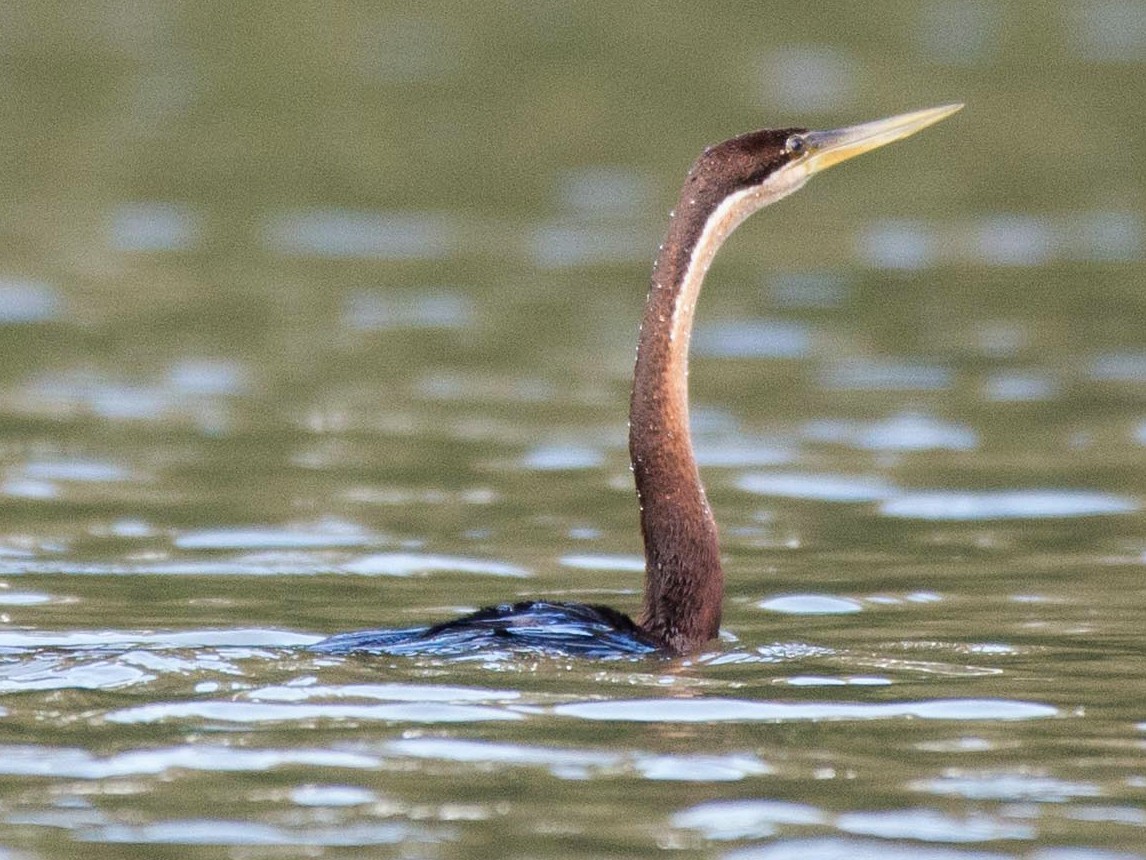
684	583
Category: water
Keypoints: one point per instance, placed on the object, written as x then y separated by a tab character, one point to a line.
323	321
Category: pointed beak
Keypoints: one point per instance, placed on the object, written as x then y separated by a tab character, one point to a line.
826	148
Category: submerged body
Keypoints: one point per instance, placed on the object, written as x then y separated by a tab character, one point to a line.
684	582
539	627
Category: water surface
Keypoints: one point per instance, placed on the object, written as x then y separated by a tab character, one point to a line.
318	321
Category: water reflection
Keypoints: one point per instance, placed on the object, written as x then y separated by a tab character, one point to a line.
1005	505
604	191
731	710
1108	31
378	311
215	831
38	760
330	533
325	321
823	289
1004	239
586	764
153	227
1019	386
752	339
564	244
828	488
809	78
904	432
961	33
23	302
811	604
345	234
1004	785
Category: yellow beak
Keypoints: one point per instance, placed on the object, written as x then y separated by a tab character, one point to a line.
826	148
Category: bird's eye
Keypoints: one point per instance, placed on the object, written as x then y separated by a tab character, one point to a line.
795	145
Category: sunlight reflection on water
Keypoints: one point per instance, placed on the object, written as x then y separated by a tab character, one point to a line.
340	233
720	710
23	302
150	227
1005	504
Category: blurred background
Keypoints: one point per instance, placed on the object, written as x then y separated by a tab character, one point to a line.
322	316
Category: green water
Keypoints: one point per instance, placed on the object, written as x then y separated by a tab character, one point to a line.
322	317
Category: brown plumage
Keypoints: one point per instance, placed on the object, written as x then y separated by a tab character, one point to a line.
684	582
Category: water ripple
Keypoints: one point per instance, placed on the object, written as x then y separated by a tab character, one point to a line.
326	534
256	712
822	487
74	763
930	825
410	563
1006	786
745	819
905	432
811	604
216	831
1005	505
369	311
152	226
843	848
23	302
738	710
383	692
752	339
346	234
581	764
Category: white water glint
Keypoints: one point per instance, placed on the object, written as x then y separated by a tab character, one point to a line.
349	234
619	563
74	763
23	302
1119	367
93	471
820	487
555	458
811	289
1006	504
411	564
1108	31
257	712
848	848
216	831
1006	786
746	819
906	245
582	764
382	692
209	377
885	375
324	534
563	244
332	795
602	191
904	432
752	339
964	34
811	604
1016	386
434	309
149	227
808	78
930	825
736	710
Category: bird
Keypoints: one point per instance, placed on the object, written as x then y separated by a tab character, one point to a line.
683	579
